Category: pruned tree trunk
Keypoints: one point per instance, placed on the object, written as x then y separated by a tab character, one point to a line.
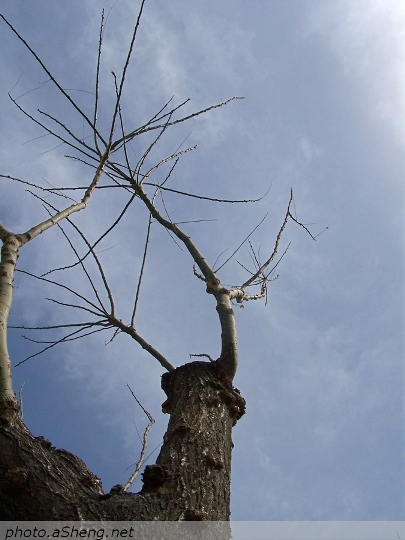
190	480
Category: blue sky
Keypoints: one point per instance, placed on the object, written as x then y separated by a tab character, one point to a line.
322	365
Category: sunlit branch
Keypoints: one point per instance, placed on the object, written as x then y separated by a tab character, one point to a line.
103	160
189	244
130	330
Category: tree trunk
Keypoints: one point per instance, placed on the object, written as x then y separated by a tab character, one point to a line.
190	480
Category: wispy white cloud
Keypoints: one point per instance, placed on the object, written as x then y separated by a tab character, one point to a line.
368	38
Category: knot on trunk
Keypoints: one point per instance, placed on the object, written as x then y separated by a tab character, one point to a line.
153	477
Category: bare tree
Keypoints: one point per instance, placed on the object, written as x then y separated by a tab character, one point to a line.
191	477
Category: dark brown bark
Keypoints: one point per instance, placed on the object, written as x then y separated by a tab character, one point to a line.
190	480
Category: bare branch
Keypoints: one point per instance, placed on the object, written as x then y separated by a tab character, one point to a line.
274	253
123	131
201	355
103	161
97	311
144	443
92	246
202	197
247	297
169	158
325	229
96	99
198	275
41	227
52	78
270	259
136	174
80	141
80	261
138	288
53	344
302	225
124	71
55	326
50	132
68	336
174	122
189	244
130	330
160	186
99	266
278	262
240	245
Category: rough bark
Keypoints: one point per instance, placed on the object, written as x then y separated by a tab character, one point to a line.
190	480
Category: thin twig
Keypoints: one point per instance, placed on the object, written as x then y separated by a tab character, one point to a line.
97	85
80	261
138	288
241	244
153	184
54	344
38	59
98	311
200	355
124	71
174	122
144	442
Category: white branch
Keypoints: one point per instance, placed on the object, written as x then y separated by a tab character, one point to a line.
9	254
